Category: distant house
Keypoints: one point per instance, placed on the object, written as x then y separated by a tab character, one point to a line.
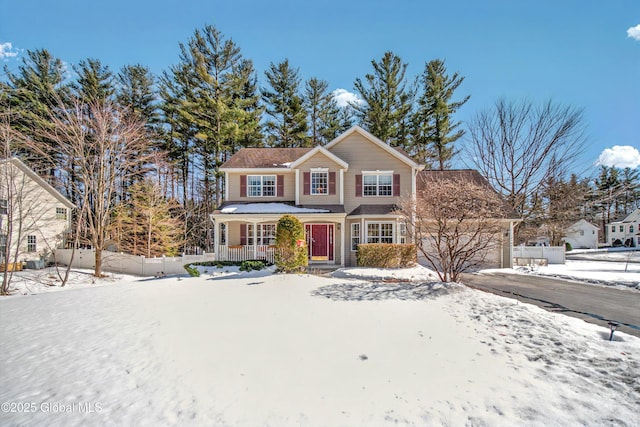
34	216
582	235
345	193
625	232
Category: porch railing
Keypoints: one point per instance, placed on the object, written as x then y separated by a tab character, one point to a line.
242	253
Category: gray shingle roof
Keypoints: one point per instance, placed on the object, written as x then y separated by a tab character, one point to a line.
265	157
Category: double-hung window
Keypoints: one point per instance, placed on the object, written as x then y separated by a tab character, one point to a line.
355	236
380	232
261	186
4	206
31	244
319	183
265	234
377	184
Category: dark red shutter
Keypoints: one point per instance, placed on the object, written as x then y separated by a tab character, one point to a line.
243	234
280	189
358	185
332	183
306	183
243	185
396	184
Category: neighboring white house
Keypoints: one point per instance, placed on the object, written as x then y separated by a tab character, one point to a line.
625	232
34	216
582	235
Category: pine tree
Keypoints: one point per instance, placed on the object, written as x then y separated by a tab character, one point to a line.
31	95
95	81
136	91
433	132
288	124
386	112
323	111
145	224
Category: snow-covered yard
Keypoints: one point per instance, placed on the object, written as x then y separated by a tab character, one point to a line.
256	349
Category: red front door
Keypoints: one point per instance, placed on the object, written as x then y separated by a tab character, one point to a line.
320	241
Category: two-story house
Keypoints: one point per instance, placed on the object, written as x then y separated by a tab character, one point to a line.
345	193
34	216
625	232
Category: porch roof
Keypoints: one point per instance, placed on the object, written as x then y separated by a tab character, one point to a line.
374	210
245	208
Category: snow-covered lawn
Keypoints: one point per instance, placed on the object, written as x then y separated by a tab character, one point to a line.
258	349
604	273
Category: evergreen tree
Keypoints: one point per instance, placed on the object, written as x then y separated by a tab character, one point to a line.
323	111
287	126
136	91
386	112
246	100
433	131
31	95
145	224
95	81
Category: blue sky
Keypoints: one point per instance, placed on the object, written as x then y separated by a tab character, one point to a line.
585	53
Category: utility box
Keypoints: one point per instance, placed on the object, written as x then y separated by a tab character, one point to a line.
35	264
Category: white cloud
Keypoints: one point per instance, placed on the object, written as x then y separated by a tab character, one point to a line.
634	32
7	51
343	97
620	156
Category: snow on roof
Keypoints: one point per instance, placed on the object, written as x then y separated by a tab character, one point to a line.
267	208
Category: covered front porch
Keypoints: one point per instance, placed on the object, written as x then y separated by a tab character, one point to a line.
240	235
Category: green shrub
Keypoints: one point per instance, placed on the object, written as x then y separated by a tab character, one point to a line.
252	265
567	246
193	272
290	257
386	255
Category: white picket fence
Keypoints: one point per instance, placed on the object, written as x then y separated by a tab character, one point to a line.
553	254
242	253
130	264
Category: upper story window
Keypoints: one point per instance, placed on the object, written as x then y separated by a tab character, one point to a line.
31	243
621	228
631	228
61	213
4	206
319	183
377	184
261	186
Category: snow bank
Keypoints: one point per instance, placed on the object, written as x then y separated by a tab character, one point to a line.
276	351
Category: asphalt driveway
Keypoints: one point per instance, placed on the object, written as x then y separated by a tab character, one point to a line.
595	304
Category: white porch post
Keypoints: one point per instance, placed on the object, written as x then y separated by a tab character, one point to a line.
343	252
216	239
255	239
342	186
297	186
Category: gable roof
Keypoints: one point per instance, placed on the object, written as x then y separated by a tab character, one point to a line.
425	177
582	222
249	158
324	151
38	179
397	153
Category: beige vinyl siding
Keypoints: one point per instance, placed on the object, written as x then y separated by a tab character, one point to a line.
361	154
289	187
319	160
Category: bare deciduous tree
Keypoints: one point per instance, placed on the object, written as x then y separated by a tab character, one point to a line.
517	146
455	224
103	145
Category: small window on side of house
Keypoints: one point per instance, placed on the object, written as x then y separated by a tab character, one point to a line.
61	213
31	244
4	206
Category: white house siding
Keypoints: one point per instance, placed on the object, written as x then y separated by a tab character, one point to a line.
582	235
38	218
